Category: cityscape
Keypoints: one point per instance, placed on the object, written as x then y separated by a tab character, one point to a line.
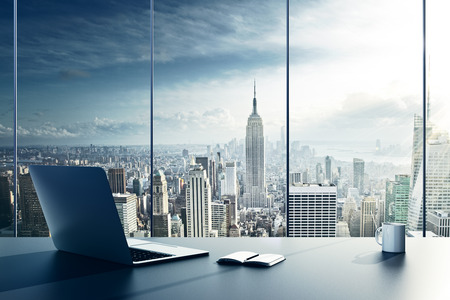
221	135
239	189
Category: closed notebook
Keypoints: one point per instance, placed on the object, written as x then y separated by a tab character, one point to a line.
251	259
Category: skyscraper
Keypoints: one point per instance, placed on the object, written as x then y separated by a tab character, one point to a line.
437	181
198	203
137	186
328	168
219	218
368	211
417	150
230	179
33	220
397	198
160	196
126	208
5	203
312	210
161	217
358	174
117	180
255	184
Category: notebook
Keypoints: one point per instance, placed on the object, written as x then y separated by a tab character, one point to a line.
82	218
250	258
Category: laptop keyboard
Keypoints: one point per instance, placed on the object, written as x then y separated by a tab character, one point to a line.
141	255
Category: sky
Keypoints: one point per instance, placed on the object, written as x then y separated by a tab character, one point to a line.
84	70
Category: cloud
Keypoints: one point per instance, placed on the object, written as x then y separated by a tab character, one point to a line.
5	131
70	38
185	29
99	127
71	74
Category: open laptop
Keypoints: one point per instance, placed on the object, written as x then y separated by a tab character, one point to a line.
82	218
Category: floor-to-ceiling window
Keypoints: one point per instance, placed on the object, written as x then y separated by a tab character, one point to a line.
83	97
437	174
6	118
355	95
356	112
220	117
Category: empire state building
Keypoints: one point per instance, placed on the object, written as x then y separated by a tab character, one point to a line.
255	183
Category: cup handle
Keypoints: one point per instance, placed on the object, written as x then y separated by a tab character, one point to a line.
377	235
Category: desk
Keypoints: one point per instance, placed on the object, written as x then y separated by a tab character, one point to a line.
315	268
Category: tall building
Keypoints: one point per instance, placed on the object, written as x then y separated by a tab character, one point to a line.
198	203
295	178
437	181
6	214
177	227
232	212
328	168
397	199
33	220
117	180
312	210
438	222
255	177
160	196
161	217
358	174
138	187
126	208
230	182
319	173
368	213
417	149
219	218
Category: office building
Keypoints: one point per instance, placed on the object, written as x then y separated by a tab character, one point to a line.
397	199
177	227
417	149
117	180
312	210
33	220
160	196
295	178
198	203
368	212
230	185
348	210
328	169
138	188
161	216
232	212
255	179
126	208
358	175
438	222
6	215
219	218
437	181
319	173
162	225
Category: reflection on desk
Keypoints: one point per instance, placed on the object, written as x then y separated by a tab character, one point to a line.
322	268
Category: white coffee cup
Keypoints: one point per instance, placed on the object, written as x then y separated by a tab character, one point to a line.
393	239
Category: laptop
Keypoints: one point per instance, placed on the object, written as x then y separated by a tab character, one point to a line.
82	218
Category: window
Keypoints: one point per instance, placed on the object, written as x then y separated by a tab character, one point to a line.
220	119
6	118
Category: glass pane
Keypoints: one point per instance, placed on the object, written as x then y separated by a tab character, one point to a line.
84	98
438	124
355	92
219	114
6	117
